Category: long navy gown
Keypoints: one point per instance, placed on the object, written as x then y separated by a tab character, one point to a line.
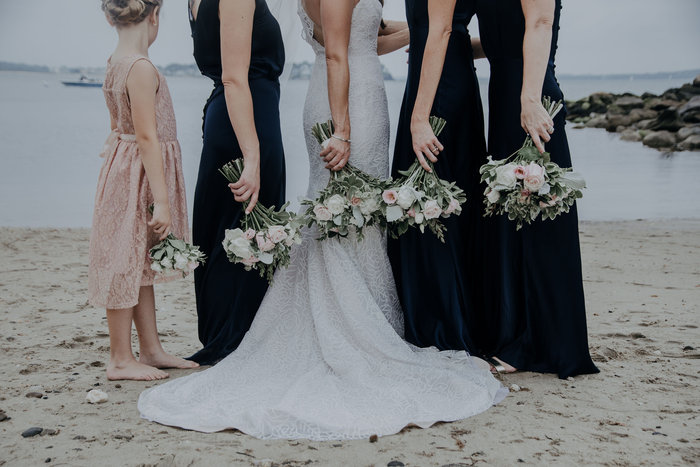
228	296
533	287
436	280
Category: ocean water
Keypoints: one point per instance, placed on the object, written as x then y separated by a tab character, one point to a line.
50	137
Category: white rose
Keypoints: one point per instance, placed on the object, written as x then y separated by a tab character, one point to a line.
335	204
322	213
236	243
393	213
419	217
181	261
432	209
493	196
369	205
505	176
406	197
545	189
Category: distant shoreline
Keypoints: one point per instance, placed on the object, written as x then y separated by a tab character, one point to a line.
300	72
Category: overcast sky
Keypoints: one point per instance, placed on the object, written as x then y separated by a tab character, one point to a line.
597	36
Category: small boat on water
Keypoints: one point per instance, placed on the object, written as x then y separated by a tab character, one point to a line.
84	82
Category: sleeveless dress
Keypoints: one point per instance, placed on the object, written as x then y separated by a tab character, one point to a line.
534	302
437	281
120	237
227	295
322	360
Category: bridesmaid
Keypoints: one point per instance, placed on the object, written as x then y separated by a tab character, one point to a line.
239	46
534	288
434	279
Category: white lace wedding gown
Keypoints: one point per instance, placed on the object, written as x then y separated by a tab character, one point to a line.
323	359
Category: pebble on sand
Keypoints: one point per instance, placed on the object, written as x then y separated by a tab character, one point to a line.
31	432
96	396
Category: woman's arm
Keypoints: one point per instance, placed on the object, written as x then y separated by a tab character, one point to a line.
393	36
236	18
478	48
425	144
336	21
539	18
141	85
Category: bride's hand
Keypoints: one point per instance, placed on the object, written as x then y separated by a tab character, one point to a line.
425	143
336	154
247	188
536	122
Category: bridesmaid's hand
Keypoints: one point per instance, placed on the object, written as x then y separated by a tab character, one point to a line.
247	188
536	122
425	143
161	222
336	154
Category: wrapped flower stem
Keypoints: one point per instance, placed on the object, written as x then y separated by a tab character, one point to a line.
266	235
350	201
420	198
528	184
174	255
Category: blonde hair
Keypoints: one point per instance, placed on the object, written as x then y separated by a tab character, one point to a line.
124	12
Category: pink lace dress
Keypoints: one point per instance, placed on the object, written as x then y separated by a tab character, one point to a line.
120	237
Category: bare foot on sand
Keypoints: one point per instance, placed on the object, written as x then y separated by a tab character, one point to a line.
504	367
134	370
165	360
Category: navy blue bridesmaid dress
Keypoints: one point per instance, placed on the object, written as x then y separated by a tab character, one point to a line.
435	280
533	302
228	296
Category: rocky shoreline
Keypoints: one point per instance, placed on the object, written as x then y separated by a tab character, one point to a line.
668	122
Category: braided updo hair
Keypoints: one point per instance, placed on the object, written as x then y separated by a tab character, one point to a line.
124	12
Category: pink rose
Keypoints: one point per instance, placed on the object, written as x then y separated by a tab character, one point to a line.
390	196
249	234
355	201
432	210
520	172
277	233
534	169
264	242
322	213
452	207
533	182
411	213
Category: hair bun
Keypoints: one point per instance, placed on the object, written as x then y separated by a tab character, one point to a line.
122	12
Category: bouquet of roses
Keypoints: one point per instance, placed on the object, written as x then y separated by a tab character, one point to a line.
420	198
528	184
174	255
351	200
265	238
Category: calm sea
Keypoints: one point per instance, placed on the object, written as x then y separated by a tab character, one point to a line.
50	136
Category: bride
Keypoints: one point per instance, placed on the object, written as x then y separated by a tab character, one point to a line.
324	358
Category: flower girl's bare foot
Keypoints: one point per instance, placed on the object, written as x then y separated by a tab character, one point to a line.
134	370
165	360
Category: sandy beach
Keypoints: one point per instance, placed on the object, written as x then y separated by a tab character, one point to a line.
642	283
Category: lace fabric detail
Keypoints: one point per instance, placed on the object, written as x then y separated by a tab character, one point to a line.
324	358
120	237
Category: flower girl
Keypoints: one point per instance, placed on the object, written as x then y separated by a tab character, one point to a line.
142	167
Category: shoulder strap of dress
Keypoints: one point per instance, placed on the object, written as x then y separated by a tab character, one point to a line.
132	61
